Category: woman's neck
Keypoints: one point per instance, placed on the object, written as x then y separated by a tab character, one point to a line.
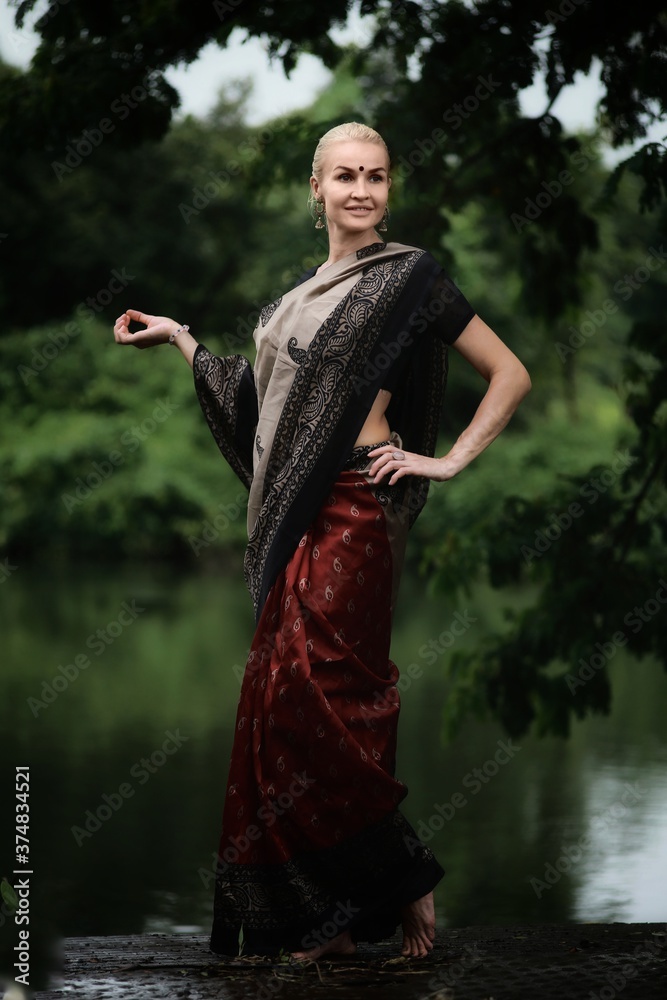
342	246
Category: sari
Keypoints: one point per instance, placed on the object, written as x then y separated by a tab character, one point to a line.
313	842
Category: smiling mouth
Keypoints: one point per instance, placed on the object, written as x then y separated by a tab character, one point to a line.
359	208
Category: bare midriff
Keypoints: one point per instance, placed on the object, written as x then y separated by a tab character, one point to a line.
376	427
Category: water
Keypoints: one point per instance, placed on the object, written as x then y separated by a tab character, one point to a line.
134	736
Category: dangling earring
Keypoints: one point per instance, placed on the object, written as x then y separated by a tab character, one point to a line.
319	212
382	228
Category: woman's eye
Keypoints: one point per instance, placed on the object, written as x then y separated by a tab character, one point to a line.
372	177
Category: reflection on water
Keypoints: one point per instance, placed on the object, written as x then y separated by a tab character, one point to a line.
120	690
625	882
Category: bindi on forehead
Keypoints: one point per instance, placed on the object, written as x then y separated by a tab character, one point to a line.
372	170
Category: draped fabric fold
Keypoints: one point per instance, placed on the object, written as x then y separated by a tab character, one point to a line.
313	841
226	392
381	317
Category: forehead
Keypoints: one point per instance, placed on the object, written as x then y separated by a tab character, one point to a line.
355	154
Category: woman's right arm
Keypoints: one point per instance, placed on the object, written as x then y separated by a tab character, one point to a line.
225	386
158	330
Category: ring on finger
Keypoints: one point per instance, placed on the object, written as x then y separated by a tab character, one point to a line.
398	456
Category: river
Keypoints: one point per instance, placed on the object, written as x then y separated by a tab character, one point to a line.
119	692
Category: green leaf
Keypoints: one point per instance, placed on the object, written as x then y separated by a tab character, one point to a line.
8	895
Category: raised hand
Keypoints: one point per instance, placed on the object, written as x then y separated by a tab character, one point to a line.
158	329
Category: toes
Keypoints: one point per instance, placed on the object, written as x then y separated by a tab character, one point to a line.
341	945
416	947
411	948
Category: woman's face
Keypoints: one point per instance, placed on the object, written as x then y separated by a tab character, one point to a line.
354	186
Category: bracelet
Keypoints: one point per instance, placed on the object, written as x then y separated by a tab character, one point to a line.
174	335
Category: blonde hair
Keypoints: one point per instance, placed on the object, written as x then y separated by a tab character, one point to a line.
347	132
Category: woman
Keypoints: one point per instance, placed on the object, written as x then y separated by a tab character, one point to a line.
333	434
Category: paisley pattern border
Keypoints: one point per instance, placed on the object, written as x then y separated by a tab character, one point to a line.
268	311
318	396
297	354
276	898
217	382
383	492
370	250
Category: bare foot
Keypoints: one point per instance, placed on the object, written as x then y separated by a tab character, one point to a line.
418	927
342	944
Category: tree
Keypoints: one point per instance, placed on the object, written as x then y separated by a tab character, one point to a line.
448	105
101	66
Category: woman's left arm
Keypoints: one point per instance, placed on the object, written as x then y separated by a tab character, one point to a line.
508	382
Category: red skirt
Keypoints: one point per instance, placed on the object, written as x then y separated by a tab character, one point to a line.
312	841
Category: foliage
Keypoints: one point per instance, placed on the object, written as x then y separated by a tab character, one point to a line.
9	897
465	131
547	244
592	538
168	216
100	455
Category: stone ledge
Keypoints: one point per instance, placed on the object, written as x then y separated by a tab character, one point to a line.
578	961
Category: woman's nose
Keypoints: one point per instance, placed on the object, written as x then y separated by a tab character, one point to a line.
360	189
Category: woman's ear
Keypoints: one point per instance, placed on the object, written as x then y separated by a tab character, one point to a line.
314	186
